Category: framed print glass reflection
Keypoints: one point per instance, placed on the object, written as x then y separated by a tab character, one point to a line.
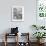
18	13
41	8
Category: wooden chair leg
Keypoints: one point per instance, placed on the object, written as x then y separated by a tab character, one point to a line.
5	43
17	39
5	39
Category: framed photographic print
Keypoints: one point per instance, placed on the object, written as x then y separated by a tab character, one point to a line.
41	12
41	8
18	13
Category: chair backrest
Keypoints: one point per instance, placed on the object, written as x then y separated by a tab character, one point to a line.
24	37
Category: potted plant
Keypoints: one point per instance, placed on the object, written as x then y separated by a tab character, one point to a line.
39	35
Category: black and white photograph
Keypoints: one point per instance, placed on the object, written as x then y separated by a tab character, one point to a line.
17	13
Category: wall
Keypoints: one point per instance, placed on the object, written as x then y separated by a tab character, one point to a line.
29	15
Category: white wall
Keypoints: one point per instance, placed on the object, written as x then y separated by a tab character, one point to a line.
29	15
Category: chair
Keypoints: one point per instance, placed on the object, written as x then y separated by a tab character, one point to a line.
14	32
7	35
26	41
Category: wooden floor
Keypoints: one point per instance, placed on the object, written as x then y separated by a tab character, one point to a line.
13	44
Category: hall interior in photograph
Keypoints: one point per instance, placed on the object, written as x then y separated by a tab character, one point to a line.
22	22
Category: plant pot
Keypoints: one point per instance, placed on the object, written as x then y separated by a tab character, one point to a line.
40	41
